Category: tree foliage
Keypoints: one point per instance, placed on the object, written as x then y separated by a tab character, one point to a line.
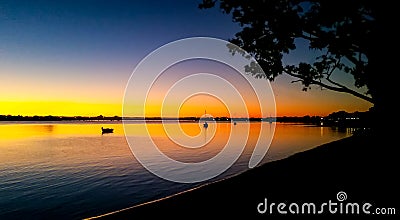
341	30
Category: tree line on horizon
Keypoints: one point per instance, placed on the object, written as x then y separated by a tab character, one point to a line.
339	118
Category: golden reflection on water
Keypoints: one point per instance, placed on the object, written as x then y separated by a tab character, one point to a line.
201	145
71	143
23	131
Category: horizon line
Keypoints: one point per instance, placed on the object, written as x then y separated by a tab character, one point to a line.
116	117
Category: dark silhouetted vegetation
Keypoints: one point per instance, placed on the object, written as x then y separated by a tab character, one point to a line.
349	36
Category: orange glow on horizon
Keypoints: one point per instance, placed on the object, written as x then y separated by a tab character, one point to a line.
290	101
194	107
59	108
199	104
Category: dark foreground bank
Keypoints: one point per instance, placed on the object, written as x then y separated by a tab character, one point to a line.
362	166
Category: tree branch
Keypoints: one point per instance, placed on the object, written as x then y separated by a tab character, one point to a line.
336	83
340	88
328	78
299	80
352	59
311	37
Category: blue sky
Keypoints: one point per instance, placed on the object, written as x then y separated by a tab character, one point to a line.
102	31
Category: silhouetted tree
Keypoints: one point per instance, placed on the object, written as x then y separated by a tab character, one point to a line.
346	34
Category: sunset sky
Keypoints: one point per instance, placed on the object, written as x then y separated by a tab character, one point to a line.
75	57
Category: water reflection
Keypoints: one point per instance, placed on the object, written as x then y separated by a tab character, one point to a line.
69	170
47	128
19	131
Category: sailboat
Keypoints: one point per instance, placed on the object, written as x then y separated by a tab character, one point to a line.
205	125
271	119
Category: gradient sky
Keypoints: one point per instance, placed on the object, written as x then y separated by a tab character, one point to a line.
75	57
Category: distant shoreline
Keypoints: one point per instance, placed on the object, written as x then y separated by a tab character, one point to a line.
337	119
340	119
119	118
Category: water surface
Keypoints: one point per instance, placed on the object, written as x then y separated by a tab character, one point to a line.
69	170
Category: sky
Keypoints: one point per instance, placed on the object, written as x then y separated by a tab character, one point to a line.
75	58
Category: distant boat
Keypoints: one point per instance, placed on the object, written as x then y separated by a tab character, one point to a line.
270	119
106	130
205	125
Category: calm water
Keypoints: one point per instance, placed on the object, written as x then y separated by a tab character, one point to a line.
72	171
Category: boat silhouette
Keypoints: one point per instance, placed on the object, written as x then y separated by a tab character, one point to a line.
106	130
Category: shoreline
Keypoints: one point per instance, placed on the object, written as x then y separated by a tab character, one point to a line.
351	165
